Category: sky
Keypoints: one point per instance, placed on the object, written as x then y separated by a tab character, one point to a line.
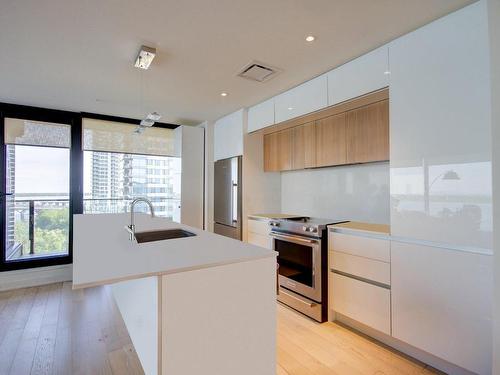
42	170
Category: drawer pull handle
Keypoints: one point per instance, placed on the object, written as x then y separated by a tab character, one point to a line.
359	278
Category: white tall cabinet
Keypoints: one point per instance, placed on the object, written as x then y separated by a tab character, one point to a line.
441	132
228	135
261	115
441	191
360	76
305	98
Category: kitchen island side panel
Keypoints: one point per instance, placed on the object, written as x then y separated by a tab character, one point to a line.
220	320
137	301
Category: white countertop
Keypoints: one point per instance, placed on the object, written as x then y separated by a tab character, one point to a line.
103	253
369	228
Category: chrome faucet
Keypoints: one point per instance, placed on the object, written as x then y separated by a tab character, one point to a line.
131	228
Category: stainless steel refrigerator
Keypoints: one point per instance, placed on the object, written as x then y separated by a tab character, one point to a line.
227	197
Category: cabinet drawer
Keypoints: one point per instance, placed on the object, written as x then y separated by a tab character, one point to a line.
260	240
368	247
373	270
366	303
259	226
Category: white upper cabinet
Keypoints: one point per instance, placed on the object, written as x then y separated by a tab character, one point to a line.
360	76
440	129
305	98
441	303
261	115
228	136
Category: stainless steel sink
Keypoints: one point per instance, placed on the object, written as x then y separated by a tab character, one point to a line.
159	235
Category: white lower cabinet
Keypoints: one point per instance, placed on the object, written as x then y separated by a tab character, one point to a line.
441	303
367	303
262	240
360	278
362	267
258	233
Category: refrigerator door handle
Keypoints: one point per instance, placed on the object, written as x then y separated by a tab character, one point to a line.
234	195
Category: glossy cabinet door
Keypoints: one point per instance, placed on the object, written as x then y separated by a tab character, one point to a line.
441	303
261	115
304	146
440	129
368	133
360	76
305	98
331	141
278	151
367	303
228	136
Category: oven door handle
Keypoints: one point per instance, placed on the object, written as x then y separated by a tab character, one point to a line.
292	238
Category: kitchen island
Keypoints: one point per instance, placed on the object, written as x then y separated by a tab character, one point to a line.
200	304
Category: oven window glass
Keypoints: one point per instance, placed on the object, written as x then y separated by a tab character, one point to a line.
296	261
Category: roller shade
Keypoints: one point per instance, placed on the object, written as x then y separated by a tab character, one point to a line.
109	136
37	133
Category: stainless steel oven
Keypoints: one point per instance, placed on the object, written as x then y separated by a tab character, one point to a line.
302	259
299	262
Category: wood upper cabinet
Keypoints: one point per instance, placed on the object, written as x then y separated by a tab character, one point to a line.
278	151
352	132
331	140
304	146
367	133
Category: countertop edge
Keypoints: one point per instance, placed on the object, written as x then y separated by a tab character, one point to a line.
411	241
357	231
170	272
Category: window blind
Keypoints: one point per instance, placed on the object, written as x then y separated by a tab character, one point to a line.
110	136
37	133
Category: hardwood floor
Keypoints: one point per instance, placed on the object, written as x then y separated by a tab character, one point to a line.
52	329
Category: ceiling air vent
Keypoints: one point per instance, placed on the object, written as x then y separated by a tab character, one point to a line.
257	71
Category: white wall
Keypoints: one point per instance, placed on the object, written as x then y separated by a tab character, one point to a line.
209	175
355	192
261	190
192	150
494	30
35	276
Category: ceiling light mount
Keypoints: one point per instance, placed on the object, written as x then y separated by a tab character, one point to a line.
147	122
145	57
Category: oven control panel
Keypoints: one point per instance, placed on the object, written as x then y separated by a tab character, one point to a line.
306	228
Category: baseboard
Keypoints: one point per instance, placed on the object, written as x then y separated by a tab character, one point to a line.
401	346
35	276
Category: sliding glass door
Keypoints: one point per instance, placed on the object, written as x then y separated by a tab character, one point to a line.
37	189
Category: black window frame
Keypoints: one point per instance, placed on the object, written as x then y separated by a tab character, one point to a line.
74	119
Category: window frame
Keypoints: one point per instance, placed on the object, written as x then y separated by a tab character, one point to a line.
74	119
76	177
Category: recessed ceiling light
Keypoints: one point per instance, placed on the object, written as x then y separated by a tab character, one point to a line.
223	94
290	108
387	72
310	38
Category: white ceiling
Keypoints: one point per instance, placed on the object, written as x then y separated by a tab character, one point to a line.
78	54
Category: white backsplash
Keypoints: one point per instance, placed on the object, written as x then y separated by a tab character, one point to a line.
354	192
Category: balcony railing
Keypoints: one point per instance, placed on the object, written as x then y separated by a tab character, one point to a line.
165	207
40	227
37	227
